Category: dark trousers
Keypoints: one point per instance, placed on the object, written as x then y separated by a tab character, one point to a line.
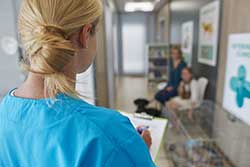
163	96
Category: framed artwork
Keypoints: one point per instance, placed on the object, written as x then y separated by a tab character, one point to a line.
187	41
237	81
208	33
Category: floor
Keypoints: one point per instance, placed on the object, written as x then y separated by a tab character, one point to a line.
129	89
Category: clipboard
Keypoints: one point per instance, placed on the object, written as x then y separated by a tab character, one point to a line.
157	127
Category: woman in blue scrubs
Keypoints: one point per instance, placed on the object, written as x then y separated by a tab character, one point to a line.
43	123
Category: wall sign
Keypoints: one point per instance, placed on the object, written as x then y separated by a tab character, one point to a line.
209	31
237	84
187	41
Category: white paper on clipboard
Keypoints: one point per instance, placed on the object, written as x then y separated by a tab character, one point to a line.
157	129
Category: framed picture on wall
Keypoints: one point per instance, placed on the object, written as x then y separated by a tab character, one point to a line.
208	33
237	82
187	41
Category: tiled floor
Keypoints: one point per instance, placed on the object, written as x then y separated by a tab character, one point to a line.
129	89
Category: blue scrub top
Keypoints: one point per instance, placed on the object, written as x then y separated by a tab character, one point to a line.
67	132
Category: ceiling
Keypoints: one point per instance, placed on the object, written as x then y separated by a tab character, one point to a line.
120	4
187	5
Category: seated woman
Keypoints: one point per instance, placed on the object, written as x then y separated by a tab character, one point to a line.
176	65
187	97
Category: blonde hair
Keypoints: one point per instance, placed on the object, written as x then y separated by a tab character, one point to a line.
45	27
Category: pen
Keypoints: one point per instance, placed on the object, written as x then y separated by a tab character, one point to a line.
140	129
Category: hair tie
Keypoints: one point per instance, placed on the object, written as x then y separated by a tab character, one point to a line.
55	29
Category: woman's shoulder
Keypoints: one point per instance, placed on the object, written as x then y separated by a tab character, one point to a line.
106	121
183	64
129	146
96	113
111	122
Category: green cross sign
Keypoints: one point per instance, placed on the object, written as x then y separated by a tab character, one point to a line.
241	86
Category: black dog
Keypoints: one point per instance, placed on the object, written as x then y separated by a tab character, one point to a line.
141	107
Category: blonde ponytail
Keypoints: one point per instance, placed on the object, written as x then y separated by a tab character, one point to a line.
45	27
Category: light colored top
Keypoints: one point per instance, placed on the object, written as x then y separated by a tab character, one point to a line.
67	132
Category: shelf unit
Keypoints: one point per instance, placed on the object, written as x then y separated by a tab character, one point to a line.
158	62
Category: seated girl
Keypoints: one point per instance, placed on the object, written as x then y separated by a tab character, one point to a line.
187	97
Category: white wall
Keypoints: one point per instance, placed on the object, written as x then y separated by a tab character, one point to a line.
10	75
176	33
110	23
116	43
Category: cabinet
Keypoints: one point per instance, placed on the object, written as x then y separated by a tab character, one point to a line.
158	62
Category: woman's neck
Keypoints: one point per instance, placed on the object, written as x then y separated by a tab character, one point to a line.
176	63
32	88
188	81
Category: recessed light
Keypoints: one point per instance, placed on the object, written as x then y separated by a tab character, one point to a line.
183	5
139	6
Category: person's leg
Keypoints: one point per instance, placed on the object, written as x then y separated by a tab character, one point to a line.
171	107
159	96
163	96
186	104
190	115
170	95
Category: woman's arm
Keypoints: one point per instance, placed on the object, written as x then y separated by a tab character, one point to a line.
177	77
131	154
130	149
